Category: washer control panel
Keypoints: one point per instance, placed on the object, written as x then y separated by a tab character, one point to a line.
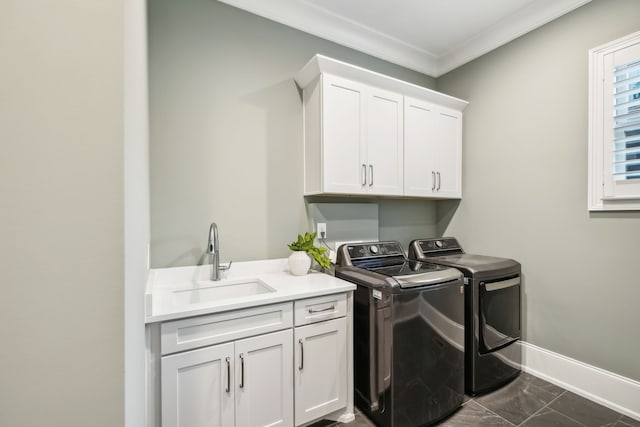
370	250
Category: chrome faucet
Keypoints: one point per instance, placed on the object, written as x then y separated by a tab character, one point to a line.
213	250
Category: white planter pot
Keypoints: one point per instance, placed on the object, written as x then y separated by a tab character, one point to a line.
299	263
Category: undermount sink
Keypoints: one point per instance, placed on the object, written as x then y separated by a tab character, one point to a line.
208	290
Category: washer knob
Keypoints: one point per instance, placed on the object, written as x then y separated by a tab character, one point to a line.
373	249
439	244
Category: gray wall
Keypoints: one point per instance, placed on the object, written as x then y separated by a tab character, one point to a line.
226	133
525	188
61	221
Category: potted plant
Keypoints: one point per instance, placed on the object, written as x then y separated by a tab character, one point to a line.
299	260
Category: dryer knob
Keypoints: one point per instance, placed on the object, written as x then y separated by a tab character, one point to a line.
373	249
439	244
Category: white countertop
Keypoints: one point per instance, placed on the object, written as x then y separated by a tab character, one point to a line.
178	292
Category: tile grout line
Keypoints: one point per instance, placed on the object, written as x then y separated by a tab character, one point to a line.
619	420
497	415
546	405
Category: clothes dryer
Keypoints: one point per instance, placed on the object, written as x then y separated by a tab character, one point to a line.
493	355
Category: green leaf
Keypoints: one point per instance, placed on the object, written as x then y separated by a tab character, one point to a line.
305	243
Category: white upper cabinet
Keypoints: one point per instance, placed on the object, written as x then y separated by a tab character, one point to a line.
432	150
353	138
361	139
341	140
384	142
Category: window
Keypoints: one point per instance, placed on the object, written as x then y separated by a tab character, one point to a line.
614	125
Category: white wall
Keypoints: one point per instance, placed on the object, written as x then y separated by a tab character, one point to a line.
525	188
61	220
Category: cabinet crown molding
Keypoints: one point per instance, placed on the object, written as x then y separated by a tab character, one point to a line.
322	64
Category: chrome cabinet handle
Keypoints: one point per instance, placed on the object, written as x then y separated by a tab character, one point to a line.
438	173
301	365
228	389
364	174
311	310
371	177
433	181
241	385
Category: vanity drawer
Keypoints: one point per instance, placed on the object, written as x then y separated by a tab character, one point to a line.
186	334
317	309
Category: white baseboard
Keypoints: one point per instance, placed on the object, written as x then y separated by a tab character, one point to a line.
606	388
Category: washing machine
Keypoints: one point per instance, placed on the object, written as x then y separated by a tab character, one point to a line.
408	335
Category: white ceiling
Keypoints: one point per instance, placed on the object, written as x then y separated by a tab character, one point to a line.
429	36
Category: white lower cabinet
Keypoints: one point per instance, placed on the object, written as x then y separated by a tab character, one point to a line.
195	388
264	381
251	378
258	367
321	369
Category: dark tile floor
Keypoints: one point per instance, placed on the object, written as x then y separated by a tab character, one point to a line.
527	401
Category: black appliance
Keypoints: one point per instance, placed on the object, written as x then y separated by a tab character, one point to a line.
493	354
408	333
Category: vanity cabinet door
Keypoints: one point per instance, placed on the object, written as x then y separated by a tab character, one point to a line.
197	388
320	369
264	380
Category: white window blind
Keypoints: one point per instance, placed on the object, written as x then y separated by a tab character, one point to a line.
626	119
614	125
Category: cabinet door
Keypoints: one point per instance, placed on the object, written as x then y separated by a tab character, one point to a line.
264	381
343	136
384	142
448	135
432	151
320	369
197	388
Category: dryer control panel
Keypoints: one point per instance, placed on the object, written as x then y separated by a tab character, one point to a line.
436	247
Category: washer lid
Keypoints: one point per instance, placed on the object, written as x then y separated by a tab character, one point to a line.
410	274
476	264
431	278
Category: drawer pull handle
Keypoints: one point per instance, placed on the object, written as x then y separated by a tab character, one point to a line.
241	370
228	389
331	308
301	365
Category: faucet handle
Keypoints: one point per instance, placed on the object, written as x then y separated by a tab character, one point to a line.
225	267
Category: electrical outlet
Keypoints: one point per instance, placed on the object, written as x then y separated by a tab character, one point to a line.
321	228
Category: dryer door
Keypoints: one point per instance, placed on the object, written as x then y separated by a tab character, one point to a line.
499	313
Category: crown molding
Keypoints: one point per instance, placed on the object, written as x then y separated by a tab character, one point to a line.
508	29
321	64
319	22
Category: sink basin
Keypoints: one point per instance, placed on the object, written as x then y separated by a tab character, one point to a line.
208	290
